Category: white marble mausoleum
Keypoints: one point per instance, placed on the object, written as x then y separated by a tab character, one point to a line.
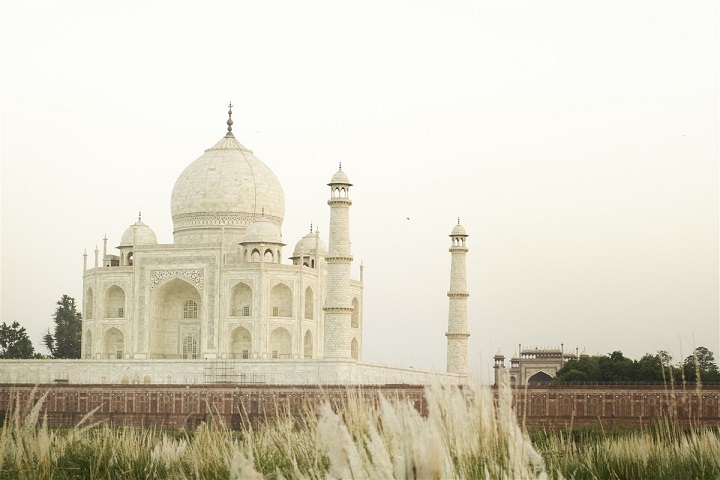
221	294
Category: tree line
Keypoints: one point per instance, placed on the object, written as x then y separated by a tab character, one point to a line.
651	368
62	342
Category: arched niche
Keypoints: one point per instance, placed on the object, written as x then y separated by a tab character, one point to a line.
540	378
88	344
241	300
354	349
355	315
114	344
308	345
89	303
280	301
280	344
241	343
309	303
114	302
176	313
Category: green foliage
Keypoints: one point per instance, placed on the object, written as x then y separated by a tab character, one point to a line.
14	342
656	368
702	363
66	339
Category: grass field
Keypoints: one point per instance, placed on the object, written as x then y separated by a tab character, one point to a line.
465	435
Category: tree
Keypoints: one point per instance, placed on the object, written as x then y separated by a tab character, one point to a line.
701	362
65	342
14	342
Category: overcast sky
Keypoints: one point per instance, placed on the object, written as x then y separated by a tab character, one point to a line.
577	141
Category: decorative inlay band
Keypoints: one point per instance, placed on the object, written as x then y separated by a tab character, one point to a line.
194	276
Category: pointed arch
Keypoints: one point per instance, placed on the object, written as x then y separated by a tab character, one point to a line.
241	343
355	315
241	300
176	313
255	256
281	301
539	378
309	303
114	343
268	256
280	343
308	345
114	302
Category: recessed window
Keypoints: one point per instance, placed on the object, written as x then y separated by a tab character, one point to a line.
190	309
246	311
189	348
275	311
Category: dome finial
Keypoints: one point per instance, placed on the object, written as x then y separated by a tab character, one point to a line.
311	227
230	121
139	215
458	220
340	165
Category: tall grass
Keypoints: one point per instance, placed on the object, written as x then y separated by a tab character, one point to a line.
467	433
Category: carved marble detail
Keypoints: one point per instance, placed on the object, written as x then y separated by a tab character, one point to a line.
210	261
194	276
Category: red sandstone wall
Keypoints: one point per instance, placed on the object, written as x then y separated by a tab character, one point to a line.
176	406
179	406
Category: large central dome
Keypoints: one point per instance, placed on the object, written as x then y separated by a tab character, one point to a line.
218	195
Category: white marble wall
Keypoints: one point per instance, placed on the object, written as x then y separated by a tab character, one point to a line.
276	372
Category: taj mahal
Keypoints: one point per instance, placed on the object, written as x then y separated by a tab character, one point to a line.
221	304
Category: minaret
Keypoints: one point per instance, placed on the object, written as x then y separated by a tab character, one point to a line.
338	308
499	359
457	333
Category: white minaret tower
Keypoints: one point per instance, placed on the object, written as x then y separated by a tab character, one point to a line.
457	333
338	307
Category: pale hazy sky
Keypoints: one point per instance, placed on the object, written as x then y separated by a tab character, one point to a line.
576	140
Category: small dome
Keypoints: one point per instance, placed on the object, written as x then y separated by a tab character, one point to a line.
499	355
341	178
262	231
138	234
584	354
310	244
458	231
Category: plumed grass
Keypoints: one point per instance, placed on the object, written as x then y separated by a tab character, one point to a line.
467	433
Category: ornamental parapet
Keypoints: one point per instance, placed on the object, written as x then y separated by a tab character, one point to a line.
458	249
338	309
457	334
340	202
339	259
